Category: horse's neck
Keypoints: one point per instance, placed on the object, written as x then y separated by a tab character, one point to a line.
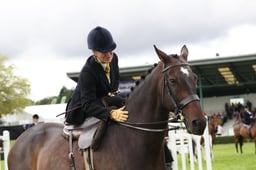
144	103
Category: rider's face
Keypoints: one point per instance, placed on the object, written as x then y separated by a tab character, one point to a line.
103	57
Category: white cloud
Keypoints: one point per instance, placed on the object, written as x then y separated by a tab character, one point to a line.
46	39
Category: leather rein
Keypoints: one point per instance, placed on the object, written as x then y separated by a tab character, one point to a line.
178	106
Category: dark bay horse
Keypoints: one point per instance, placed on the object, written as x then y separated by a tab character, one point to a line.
212	129
241	132
169	86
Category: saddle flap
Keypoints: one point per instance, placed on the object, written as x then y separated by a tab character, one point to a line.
88	132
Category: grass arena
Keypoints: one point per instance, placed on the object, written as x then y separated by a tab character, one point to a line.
225	157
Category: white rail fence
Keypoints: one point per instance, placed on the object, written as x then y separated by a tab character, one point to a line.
181	142
6	147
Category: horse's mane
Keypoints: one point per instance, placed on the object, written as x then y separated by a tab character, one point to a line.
142	78
146	73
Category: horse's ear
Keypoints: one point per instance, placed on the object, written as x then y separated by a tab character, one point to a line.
184	52
162	56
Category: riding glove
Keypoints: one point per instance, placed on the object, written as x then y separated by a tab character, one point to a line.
120	114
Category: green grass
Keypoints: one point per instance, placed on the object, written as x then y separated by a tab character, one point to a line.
226	158
2	165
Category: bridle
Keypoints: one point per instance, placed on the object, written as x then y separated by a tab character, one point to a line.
177	105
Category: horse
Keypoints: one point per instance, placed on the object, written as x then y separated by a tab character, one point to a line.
212	130
241	132
136	144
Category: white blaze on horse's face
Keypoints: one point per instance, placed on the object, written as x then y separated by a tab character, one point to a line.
184	71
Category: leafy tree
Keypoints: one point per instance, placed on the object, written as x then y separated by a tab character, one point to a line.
13	89
47	100
63	97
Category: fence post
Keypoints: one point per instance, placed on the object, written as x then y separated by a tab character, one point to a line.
183	148
6	146
190	151
199	153
207	146
183	157
173	148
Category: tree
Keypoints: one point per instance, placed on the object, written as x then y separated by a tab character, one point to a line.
13	89
63	97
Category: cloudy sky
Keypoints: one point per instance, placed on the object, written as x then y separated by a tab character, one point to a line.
45	39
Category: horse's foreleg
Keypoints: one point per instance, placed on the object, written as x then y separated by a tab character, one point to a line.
236	147
241	141
241	148
236	144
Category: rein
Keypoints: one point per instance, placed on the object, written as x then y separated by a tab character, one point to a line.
138	126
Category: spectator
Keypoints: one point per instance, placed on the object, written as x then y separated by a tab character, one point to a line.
35	119
249	105
228	110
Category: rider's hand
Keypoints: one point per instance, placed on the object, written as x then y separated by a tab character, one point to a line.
120	114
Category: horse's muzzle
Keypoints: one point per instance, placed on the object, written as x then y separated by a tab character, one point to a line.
198	126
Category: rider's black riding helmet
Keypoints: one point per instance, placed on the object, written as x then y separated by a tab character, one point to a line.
100	39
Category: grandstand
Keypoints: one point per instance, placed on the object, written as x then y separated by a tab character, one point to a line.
221	80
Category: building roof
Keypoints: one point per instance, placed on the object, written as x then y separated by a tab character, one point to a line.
227	75
218	76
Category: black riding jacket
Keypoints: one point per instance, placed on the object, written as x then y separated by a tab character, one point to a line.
92	86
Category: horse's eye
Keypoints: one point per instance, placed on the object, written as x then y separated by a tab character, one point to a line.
172	81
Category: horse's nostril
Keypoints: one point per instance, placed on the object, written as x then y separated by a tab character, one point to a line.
196	123
198	126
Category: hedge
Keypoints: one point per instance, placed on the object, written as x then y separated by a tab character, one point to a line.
227	140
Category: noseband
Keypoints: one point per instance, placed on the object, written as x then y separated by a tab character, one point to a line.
178	105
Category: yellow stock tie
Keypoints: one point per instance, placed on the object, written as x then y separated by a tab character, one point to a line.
107	69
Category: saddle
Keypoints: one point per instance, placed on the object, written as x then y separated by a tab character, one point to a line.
89	136
84	133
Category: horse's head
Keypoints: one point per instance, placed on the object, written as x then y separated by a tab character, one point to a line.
212	125
179	90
